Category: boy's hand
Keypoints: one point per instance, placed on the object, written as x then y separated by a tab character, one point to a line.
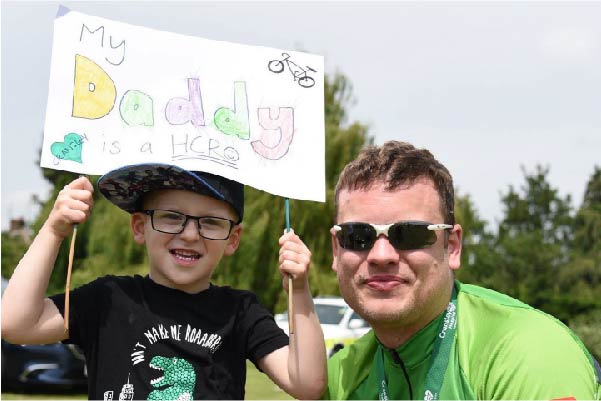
72	206
295	259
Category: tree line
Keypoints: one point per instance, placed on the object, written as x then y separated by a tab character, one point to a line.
544	251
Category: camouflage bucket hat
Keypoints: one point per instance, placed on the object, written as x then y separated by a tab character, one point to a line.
127	186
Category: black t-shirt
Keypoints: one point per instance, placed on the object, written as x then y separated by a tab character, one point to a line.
146	341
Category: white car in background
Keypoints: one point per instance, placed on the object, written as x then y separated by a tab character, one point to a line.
340	324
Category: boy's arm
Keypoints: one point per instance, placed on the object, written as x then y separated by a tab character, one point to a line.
28	317
300	368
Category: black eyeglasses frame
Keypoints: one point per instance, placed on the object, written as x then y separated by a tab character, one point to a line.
150	212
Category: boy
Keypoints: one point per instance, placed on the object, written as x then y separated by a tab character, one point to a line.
171	334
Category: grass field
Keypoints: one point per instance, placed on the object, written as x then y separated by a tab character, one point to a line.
258	387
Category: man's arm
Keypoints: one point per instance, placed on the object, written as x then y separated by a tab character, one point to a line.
28	317
300	368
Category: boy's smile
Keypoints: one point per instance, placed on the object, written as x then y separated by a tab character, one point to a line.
183	261
185	256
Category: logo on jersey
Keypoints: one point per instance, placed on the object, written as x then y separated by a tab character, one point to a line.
450	320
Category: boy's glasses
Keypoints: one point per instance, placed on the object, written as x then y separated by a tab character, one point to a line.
403	235
209	227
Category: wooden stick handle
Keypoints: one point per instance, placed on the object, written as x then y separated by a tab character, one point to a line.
290	307
69	269
68	284
290	303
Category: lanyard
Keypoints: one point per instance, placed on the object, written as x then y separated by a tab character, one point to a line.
438	361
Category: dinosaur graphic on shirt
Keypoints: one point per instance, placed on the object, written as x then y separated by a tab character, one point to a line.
178	376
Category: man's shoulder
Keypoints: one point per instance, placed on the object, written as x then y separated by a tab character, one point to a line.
488	309
480	295
365	345
508	335
492	315
349	366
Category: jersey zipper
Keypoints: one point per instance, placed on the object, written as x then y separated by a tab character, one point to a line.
397	359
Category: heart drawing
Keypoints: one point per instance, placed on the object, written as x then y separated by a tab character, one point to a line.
70	149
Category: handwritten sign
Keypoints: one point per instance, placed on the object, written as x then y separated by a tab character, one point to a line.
122	94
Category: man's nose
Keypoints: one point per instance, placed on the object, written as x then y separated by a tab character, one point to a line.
382	253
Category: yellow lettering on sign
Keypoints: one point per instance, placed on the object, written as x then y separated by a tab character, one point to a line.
94	92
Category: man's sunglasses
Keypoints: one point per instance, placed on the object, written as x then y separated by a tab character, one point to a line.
404	235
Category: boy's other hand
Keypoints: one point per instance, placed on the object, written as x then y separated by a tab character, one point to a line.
72	206
295	259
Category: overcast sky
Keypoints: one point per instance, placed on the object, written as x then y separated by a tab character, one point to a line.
487	87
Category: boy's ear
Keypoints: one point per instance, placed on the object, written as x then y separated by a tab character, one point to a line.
137	224
234	240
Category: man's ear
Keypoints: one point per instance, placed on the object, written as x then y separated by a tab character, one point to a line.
335	246
137	224
454	247
234	240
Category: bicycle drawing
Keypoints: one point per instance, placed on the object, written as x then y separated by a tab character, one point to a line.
299	73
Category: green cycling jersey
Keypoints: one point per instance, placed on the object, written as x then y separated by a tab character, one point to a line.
501	349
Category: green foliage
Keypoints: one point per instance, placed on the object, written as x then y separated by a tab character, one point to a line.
580	281
592	195
587	235
13	249
539	208
587	326
477	258
532	245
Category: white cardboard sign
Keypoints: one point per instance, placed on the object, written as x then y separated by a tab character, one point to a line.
121	94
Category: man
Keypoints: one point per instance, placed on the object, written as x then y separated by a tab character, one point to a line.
395	249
